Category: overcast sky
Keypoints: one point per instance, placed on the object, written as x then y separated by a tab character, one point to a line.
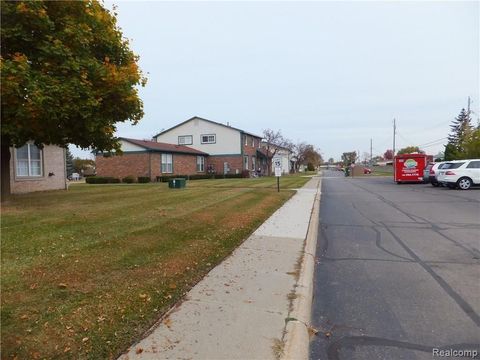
333	74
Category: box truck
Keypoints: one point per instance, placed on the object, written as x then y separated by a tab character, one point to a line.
409	167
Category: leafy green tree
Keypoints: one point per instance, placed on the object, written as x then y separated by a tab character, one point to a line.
471	145
81	165
69	162
349	158
410	150
68	76
460	138
312	157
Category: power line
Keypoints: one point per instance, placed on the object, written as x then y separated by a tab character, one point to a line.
433	141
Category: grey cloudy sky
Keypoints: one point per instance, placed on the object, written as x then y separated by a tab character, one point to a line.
333	74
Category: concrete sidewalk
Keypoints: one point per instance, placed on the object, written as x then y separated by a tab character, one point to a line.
240	309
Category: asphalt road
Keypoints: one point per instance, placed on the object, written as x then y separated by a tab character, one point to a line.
397	270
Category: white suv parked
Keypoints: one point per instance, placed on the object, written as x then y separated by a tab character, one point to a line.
460	173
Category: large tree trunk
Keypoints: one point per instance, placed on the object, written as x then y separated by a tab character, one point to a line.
269	166
5	169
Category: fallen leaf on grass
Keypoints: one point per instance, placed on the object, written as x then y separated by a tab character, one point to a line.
312	331
85	339
172	286
139	351
24	317
62	286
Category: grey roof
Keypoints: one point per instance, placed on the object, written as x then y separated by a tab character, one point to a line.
164	147
210	121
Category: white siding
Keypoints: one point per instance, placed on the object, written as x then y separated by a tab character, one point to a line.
227	139
128	146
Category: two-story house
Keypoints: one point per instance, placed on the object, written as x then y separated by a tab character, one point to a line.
230	150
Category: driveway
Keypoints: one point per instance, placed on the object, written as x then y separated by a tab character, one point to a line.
397	274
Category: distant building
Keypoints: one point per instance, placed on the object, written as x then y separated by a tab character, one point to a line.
34	168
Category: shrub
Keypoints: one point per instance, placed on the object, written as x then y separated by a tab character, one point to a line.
165	178
245	174
143	179
128	179
200	177
228	176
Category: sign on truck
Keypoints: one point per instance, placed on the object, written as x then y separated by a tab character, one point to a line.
409	167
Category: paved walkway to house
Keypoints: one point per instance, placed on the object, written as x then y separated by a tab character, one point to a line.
239	310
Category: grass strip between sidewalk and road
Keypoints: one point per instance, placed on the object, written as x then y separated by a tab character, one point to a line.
86	272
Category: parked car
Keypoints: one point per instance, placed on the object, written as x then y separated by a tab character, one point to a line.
426	173
462	174
74	177
433	172
367	170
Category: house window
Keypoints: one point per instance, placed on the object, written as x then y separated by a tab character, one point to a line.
246	140
245	162
28	160
253	141
208	139
254	160
185	140
167	163
200	164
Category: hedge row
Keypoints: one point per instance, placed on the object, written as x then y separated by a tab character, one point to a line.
113	180
102	180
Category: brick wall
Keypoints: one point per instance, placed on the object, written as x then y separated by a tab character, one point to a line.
53	162
234	162
186	164
120	166
250	150
144	164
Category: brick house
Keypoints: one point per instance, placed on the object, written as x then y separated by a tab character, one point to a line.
34	168
151	159
230	150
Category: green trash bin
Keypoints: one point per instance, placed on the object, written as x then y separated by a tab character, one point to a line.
177	183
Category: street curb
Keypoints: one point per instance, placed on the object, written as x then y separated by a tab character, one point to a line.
297	338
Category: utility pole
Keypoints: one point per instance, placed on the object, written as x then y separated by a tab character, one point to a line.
468	107
371	152
394	132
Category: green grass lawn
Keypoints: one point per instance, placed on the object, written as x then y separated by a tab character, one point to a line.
382	171
85	272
